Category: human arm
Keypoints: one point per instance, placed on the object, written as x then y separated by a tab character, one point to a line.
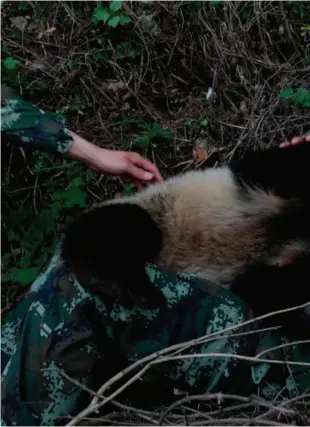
24	123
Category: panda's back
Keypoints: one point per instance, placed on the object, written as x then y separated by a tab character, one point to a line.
210	229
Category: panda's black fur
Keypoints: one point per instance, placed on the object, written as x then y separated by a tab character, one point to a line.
245	226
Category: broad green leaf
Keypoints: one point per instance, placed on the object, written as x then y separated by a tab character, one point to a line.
307	104
286	93
10	63
72	197
101	13
113	22
78	198
25	276
125	20
115	5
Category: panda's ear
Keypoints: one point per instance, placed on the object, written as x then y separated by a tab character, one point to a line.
112	243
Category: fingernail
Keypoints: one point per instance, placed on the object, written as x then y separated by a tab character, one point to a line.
148	175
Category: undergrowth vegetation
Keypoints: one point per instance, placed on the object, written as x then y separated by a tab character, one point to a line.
183	83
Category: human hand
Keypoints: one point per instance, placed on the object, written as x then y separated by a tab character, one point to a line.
133	165
126	163
295	141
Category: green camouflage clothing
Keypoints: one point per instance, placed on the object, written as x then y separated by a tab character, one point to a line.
25	123
62	326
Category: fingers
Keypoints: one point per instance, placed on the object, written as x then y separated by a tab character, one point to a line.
150	170
138	174
295	141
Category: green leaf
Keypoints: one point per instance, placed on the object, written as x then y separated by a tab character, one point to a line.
76	182
125	20
115	5
10	63
157	131
101	13
76	197
72	197
302	95
113	22
307	104
286	93
25	276
204	122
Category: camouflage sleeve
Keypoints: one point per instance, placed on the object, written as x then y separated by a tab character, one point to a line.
24	123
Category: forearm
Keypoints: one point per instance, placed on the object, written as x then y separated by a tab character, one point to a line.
82	150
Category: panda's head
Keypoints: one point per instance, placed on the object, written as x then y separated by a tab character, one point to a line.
112	243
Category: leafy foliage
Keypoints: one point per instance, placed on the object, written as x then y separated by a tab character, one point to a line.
154	131
36	235
299	8
112	15
301	96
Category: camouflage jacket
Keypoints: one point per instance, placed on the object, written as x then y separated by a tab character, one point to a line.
60	326
24	123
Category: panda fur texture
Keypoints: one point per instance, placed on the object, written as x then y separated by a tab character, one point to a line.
245	226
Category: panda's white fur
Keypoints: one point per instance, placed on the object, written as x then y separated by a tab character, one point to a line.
208	229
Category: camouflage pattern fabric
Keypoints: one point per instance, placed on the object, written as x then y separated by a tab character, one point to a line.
61	326
24	123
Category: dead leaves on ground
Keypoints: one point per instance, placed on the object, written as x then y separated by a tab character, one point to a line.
203	150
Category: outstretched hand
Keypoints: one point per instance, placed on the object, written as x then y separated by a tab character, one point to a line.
127	163
132	165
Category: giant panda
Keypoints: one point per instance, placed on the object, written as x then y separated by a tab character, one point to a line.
245	226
